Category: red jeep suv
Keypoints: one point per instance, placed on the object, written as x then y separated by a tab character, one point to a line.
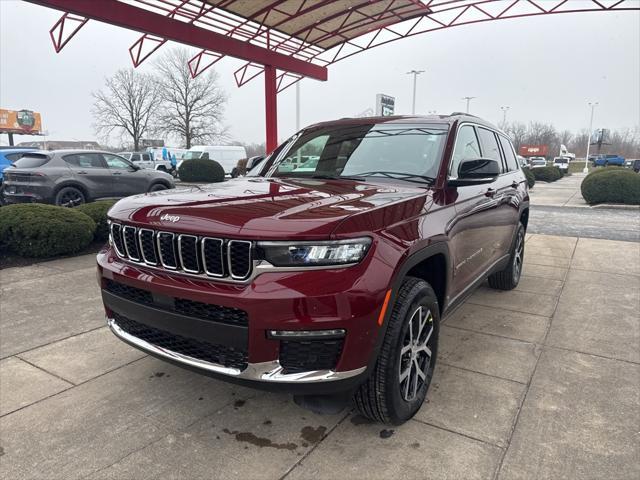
327	272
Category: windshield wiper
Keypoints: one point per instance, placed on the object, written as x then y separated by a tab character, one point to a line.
336	177
410	177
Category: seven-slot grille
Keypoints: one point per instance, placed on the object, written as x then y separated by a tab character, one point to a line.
213	257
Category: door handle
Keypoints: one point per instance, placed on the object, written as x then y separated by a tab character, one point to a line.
116	173
515	184
81	172
490	192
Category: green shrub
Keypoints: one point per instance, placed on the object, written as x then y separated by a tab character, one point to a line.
531	179
98	212
36	230
547	174
615	185
200	170
599	170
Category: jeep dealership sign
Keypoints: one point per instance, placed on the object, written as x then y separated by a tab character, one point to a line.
385	105
533	150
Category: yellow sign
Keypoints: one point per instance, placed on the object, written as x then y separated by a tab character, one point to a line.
22	122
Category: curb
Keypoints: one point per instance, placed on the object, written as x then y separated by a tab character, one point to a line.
615	206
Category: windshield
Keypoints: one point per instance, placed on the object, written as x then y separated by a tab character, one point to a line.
191	155
31	160
407	152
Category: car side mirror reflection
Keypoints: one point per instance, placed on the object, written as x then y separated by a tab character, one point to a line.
476	172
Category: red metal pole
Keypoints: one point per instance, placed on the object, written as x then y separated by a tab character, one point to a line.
271	107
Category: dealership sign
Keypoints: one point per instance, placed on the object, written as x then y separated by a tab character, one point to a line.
385	105
23	122
533	150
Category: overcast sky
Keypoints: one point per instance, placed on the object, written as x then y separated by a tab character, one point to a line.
545	68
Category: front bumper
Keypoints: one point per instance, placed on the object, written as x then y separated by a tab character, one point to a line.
313	300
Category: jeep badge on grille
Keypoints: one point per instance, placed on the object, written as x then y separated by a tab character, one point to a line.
170	218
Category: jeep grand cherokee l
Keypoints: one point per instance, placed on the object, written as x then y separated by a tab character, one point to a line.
330	280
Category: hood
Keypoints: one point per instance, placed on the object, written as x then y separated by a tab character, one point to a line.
260	208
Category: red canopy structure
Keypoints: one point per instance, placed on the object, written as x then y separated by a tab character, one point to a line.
291	39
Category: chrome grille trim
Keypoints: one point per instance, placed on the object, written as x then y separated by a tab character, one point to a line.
153	245
230	263
204	257
195	252
161	253
119	235
135	241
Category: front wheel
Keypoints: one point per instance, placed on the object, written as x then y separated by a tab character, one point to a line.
396	389
156	187
509	278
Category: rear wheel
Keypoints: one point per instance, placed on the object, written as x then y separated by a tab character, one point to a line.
397	387
509	278
69	197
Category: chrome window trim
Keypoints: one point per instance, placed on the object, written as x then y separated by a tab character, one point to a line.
250	262
160	256
115	246
204	258
185	269
135	239
153	243
263	372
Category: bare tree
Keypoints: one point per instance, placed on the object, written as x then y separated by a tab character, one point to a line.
126	105
192	108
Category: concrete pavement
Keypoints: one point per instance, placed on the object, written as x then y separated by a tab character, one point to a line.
539	382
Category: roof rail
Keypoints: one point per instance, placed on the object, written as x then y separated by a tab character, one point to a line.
453	114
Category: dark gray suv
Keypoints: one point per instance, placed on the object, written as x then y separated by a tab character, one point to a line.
72	177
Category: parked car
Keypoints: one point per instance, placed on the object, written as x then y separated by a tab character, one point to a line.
245	165
325	283
227	156
636	166
524	163
72	177
537	162
10	155
148	160
562	163
606	160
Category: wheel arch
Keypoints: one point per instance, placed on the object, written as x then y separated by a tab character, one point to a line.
74	184
524	217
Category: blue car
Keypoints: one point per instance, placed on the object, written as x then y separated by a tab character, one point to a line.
606	160
10	155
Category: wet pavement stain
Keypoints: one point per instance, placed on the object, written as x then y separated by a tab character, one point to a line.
261	442
360	420
267	422
239	403
1	451
157	375
386	433
199	398
313	435
415	445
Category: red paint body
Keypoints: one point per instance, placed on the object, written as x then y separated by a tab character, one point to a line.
403	219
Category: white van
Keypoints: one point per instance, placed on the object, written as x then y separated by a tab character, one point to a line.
227	156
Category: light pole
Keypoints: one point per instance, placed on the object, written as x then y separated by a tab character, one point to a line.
504	109
468	99
415	74
593	106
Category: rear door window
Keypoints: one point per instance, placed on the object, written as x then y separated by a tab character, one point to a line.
85	160
509	155
146	157
135	157
32	160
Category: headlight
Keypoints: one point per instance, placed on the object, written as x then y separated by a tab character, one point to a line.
301	254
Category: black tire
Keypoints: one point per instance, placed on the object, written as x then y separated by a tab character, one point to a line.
156	187
509	278
384	396
69	197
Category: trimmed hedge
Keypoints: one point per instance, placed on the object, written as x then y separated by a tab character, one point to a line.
37	230
98	213
613	185
547	174
200	170
531	179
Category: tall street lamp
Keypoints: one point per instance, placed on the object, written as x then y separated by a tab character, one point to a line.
504	109
415	74
593	106
468	99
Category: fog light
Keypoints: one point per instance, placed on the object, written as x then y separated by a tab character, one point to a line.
306	334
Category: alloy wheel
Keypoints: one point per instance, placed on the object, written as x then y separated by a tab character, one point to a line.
415	354
518	258
70	199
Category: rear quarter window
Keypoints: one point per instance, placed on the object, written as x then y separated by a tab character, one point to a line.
32	160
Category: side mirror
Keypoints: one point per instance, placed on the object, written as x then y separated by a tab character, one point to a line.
476	172
134	167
